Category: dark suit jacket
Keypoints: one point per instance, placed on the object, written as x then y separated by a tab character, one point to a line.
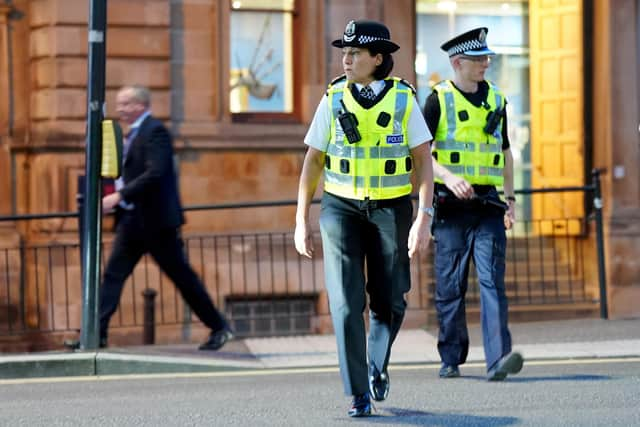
150	180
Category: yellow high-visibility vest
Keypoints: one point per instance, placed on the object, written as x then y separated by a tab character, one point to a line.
461	144
379	165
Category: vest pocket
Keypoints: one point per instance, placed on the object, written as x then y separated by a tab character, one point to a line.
344	165
390	167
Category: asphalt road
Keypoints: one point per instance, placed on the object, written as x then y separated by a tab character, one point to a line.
595	392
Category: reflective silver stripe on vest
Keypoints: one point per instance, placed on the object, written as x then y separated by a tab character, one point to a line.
346	151
450	145
460	170
401	103
335	106
394	152
374	181
449	100
335	103
389	181
339	179
498	97
482	171
463	146
490	148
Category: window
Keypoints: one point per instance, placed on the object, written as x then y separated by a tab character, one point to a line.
267	316
261	60
508	37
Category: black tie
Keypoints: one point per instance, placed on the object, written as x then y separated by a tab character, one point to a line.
367	93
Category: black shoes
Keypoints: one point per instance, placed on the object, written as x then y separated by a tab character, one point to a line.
379	385
509	364
217	339
449	371
360	406
103	342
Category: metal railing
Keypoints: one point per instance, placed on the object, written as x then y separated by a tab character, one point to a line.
266	288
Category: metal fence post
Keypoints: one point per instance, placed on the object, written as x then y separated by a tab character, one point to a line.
602	276
149	316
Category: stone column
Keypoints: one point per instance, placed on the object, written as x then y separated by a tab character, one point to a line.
617	147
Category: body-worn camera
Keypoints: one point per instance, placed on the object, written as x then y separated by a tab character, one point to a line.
349	124
493	119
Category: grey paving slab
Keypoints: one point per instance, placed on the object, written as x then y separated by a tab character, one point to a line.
581	338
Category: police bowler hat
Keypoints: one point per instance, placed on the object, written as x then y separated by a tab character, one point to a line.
471	43
368	34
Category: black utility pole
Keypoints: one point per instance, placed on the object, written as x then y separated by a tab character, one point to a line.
92	219
602	272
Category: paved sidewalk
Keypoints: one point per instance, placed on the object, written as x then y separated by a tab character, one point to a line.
581	338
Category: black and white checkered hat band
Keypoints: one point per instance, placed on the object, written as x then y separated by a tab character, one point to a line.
465	46
368	39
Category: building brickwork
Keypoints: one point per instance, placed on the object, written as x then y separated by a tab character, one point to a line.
180	49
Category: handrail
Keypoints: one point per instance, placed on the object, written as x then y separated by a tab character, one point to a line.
273	203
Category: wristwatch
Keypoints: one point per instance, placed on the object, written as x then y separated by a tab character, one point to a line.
427	210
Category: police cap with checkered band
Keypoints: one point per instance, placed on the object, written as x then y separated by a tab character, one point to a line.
471	43
368	34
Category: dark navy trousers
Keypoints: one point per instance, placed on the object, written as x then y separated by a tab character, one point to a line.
167	249
462	235
371	236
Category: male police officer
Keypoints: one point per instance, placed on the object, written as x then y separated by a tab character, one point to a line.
471	156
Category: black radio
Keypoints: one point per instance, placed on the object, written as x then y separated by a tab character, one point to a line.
493	119
349	124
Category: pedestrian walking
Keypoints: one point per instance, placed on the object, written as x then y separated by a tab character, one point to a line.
368	137
149	217
471	158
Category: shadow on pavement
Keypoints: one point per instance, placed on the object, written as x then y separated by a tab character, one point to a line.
404	416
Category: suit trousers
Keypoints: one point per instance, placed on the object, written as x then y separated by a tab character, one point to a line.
373	235
167	249
459	237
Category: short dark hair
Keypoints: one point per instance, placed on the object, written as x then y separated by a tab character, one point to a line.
383	70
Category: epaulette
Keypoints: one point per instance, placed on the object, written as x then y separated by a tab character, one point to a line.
337	79
409	85
334	82
441	84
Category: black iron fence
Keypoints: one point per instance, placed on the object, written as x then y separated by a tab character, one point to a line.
266	288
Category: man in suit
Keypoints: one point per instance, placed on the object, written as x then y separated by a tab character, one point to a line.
149	217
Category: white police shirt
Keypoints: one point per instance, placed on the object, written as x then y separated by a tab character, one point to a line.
318	135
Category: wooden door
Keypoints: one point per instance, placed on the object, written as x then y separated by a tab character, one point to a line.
557	112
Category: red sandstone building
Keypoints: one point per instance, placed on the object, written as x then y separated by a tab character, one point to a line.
238	83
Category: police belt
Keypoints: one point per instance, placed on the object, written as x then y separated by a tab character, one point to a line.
445	200
368	203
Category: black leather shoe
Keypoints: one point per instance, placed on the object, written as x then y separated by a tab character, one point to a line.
103	342
216	340
449	371
360	406
72	344
509	364
379	385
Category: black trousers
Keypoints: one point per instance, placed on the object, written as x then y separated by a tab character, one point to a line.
365	252
167	249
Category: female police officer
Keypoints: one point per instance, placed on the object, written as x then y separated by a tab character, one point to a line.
368	136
